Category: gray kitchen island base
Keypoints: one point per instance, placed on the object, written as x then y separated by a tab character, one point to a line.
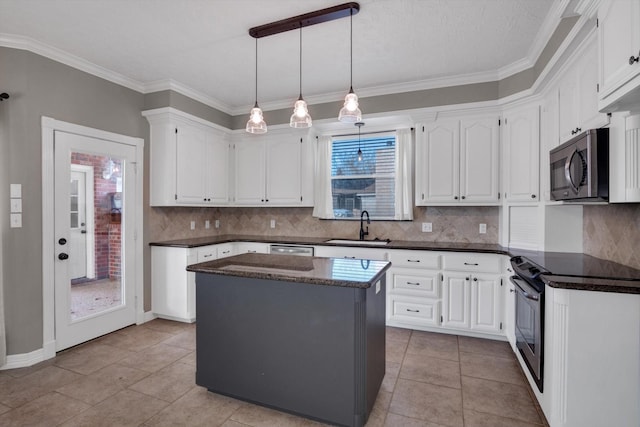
311	350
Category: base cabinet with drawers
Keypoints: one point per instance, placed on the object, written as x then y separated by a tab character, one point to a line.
446	292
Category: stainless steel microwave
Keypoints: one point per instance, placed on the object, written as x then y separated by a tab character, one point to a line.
580	167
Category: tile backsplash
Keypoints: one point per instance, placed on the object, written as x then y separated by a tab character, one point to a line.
612	232
450	224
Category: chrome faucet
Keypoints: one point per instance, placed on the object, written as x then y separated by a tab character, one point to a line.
362	230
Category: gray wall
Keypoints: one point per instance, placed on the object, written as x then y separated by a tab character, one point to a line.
39	86
42	87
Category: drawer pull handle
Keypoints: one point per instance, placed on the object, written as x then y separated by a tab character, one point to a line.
349	257
470	263
413	260
413	311
207	256
413	283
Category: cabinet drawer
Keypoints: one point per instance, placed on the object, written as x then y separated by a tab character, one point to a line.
420	312
424	285
473	262
207	253
415	259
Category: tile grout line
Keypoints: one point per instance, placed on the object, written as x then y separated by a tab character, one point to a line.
461	389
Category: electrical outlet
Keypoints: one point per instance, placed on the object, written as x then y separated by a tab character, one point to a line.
273	223
427	227
217	223
483	228
16	220
207	224
193	225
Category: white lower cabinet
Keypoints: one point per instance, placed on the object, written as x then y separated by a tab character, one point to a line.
172	287
251	248
456	296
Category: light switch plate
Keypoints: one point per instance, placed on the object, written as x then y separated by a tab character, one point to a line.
207	224
273	223
16	205
193	225
217	223
427	227
16	220
483	229
16	191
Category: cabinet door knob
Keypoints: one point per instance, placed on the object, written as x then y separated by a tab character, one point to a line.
466	278
455	197
463	197
633	59
533	196
475	279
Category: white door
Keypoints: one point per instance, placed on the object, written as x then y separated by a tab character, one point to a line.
456	299
250	172
81	222
283	172
479	160
86	310
437	163
486	303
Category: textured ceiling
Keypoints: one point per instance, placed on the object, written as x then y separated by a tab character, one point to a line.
203	45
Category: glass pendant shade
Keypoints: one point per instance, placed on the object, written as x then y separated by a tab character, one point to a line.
359	155
256	123
300	117
350	113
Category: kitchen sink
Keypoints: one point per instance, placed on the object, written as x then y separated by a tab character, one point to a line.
359	242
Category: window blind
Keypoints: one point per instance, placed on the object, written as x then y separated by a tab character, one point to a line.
368	184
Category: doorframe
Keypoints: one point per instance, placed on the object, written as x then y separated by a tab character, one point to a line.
89	218
49	126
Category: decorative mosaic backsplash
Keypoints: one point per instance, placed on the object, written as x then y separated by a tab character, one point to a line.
450	224
613	232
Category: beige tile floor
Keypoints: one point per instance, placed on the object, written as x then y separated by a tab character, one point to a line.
144	376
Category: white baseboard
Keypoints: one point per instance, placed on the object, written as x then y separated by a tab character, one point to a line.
148	316
24	360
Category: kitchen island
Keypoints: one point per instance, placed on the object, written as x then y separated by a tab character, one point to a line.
304	335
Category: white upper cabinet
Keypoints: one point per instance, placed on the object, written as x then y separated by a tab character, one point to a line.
437	163
189	160
619	48
273	171
479	142
578	94
457	162
521	160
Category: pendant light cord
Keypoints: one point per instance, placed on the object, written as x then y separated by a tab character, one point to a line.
351	50
300	61
256	72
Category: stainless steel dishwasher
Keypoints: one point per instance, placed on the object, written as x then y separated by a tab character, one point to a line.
291	250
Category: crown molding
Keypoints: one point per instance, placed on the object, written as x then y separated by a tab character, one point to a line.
170	84
58	55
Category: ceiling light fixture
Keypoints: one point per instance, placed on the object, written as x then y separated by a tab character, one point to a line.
256	123
350	112
359	124
300	117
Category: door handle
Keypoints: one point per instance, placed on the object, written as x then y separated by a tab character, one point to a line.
62	256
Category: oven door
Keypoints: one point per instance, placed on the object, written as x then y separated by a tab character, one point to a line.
529	327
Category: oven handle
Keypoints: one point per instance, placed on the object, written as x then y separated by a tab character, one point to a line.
524	288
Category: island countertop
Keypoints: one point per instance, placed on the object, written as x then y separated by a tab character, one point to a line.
345	272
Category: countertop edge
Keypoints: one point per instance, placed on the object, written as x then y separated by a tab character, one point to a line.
590	284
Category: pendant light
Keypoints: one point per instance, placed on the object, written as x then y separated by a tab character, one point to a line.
256	123
300	117
359	124
350	112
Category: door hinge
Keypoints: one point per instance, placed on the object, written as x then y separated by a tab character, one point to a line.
300	140
422	196
422	128
441	319
597	23
175	197
176	130
498	195
598	87
301	199
499	122
500	325
441	277
500	282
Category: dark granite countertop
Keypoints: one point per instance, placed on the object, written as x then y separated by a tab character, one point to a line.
346	272
568	270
